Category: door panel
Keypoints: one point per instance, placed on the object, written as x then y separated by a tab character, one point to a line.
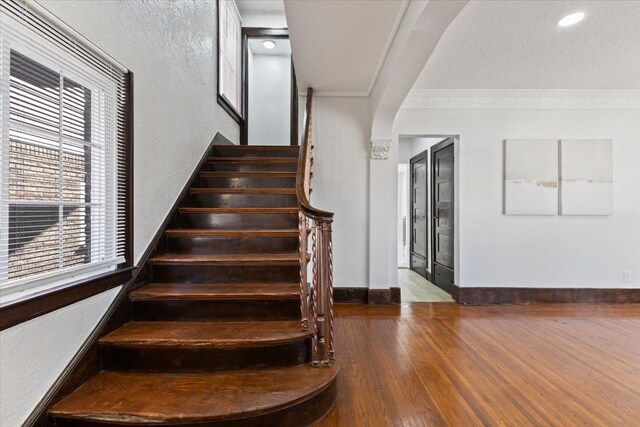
419	214
443	214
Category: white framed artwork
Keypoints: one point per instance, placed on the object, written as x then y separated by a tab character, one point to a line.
586	176
531	177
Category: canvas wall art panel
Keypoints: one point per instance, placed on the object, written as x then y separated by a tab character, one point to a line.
586	181
531	177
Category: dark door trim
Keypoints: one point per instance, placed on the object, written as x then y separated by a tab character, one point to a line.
434	149
263	33
413	160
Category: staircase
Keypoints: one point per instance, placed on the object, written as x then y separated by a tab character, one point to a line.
216	336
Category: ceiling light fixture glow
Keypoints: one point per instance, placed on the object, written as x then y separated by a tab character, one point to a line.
571	19
268	44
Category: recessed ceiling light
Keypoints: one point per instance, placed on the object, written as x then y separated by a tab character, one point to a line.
571	19
268	44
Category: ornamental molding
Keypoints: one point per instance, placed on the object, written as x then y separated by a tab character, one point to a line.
534	99
380	149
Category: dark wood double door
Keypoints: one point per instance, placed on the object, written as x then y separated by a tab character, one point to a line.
440	214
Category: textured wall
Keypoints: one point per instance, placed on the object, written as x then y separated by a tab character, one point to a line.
171	48
34	353
340	181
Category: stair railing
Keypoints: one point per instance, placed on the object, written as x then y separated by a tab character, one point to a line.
316	298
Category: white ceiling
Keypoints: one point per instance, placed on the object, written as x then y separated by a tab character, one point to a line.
339	46
262	13
283	47
518	45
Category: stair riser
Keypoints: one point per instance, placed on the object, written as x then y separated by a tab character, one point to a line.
250	167
248	182
231	245
256	152
216	200
193	360
203	273
224	221
211	310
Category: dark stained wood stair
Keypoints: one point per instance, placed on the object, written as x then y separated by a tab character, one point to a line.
237	398
245	218
251	164
214	337
216	291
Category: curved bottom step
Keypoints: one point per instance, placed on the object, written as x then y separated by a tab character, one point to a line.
294	396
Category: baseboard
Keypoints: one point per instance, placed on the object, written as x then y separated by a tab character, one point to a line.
350	295
87	361
366	295
485	296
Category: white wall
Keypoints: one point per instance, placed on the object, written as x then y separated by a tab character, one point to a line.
171	48
341	127
269	99
503	251
34	353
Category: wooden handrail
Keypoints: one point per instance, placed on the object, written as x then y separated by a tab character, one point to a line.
303	176
316	300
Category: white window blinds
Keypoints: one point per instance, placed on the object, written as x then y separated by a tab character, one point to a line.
230	61
62	155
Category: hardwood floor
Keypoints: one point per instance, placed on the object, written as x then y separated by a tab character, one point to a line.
415	288
449	365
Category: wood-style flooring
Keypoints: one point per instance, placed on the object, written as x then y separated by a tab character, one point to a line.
415	288
449	365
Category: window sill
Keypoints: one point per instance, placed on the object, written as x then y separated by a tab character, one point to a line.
23	310
226	106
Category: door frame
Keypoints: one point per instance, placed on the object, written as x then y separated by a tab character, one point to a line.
432	187
265	33
413	160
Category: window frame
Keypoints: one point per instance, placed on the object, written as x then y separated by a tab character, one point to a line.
54	277
38	301
237	116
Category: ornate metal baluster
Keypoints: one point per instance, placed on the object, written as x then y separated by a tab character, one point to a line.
304	291
314	293
317	312
332	357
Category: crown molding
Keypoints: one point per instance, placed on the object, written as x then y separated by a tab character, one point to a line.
534	99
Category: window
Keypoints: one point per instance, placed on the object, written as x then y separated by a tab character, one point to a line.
230	58
63	157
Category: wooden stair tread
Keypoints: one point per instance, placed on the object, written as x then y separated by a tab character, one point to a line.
259	258
239	210
206	334
207	232
184	398
260	174
212	291
243	190
253	160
